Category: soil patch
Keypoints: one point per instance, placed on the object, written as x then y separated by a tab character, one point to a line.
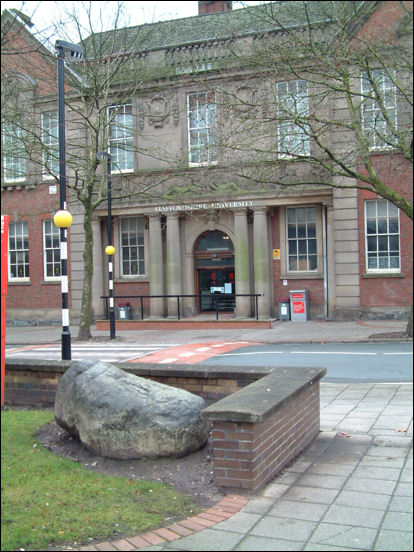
191	474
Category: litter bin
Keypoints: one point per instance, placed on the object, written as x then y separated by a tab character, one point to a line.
124	312
284	310
299	304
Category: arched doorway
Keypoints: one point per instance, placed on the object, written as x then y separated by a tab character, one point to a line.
214	269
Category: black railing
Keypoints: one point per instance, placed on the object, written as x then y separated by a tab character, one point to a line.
220	301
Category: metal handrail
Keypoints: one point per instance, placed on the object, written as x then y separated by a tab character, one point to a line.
216	300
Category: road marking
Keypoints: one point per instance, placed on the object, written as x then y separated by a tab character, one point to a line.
410	353
327	353
193	352
255	353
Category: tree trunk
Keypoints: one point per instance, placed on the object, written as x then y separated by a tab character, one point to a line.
86	306
409	329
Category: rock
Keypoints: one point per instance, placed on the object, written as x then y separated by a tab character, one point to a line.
119	415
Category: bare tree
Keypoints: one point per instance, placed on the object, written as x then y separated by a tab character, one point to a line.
339	113
98	100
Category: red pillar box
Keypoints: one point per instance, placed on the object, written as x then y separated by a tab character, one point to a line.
299	304
4	276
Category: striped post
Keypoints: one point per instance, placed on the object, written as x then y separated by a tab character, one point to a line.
109	249
61	218
66	340
110	253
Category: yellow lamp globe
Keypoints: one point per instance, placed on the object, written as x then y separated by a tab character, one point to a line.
63	219
109	249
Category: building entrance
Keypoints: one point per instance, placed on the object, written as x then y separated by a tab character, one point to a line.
214	264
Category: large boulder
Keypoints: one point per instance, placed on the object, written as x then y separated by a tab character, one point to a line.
119	415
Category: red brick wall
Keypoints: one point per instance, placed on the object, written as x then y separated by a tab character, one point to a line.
33	206
389	291
247	455
382	23
281	292
32	59
214	7
132	288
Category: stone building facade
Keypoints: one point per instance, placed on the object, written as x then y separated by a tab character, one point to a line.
205	229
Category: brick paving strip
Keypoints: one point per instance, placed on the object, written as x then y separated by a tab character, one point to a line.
221	511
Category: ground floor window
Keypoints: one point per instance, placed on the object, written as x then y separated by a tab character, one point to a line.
382	236
301	239
18	251
132	246
51	250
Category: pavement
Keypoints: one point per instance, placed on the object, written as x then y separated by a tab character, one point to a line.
312	331
351	489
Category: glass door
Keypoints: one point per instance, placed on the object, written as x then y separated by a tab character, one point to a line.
214	285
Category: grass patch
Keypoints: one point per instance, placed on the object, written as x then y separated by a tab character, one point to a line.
46	499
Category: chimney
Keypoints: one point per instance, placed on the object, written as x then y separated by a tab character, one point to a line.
214	7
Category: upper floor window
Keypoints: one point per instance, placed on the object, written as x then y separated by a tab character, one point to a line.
14	157
50	144
51	250
379	109
202	128
18	251
292	111
301	239
121	138
132	246
382	235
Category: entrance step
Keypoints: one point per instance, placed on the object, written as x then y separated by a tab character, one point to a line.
185	324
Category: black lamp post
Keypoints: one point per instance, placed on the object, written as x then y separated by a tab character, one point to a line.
109	249
63	219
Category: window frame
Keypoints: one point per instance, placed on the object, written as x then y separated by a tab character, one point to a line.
17	159
375	109
140	246
19	251
53	249
210	129
304	143
388	269
52	143
297	239
113	142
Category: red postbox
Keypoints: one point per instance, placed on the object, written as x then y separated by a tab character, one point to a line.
299	304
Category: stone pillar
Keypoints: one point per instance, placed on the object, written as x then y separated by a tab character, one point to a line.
241	262
173	262
156	285
330	260
261	261
98	273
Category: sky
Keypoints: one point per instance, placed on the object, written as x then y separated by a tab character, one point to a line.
48	15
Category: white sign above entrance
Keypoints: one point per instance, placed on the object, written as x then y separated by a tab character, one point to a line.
204	206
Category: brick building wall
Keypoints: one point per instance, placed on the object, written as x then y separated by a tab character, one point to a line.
281	292
34	206
388	290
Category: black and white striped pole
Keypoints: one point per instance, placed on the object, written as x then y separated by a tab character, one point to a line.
109	249
63	219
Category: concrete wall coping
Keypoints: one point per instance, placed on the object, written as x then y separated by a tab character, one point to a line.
203	371
261	399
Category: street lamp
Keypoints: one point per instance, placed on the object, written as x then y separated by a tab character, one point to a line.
109	249
63	219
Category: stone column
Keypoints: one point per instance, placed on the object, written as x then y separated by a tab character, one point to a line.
98	273
156	285
261	261
173	262
241	262
330	260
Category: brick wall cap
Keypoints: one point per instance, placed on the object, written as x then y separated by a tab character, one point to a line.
38	365
259	400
